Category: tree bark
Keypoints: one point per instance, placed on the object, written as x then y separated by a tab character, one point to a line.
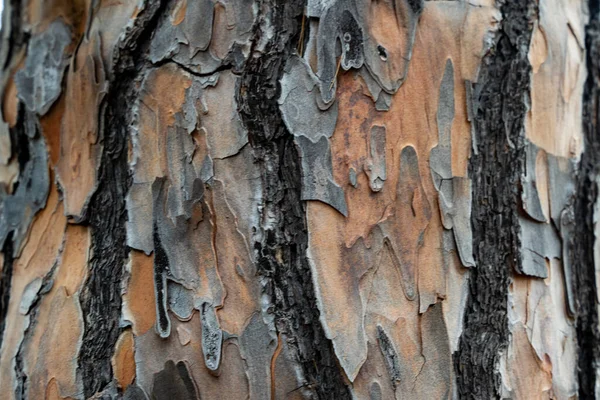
285	199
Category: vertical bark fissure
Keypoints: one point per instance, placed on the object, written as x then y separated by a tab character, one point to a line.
5	282
282	241
101	294
582	244
500	104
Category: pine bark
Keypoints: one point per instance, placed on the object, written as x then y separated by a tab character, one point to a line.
285	199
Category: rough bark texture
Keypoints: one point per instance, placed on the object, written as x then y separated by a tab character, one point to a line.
496	167
584	242
5	279
323	199
281	246
101	293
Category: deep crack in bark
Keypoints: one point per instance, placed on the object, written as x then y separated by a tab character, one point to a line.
495	169
582	243
101	293
281	244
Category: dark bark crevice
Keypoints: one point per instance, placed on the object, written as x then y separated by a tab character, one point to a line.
5	282
582	243
101	294
281	246
500	104
221	68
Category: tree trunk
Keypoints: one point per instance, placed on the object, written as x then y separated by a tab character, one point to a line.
286	199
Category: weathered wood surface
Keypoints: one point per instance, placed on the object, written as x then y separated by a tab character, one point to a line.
285	199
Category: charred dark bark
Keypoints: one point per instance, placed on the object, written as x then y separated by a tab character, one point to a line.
101	295
500	105
5	281
588	336
281	246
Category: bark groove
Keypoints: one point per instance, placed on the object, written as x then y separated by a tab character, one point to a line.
101	294
282	243
495	168
583	241
5	281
